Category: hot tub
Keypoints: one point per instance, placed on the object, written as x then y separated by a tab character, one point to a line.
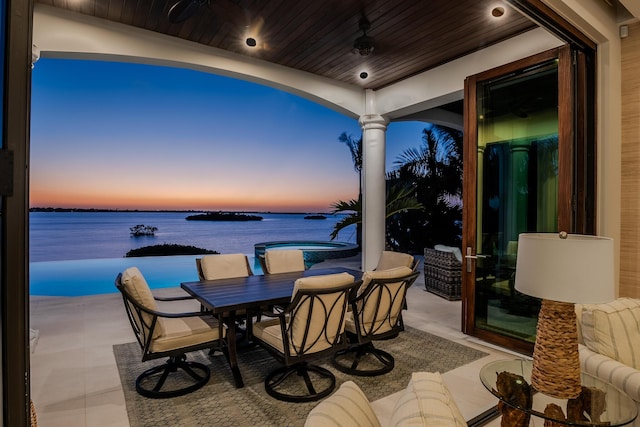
314	251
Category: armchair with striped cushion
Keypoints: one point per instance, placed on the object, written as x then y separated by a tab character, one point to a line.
425	402
609	344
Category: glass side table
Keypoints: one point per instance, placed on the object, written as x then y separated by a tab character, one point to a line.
601	404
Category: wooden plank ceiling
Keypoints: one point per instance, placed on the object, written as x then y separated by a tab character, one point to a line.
317	36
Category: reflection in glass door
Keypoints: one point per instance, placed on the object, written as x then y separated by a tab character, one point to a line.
516	191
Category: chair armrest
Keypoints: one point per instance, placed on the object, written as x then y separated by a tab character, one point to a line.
270	314
176	298
626	378
162	313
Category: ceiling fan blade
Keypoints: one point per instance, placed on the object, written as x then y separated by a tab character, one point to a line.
184	9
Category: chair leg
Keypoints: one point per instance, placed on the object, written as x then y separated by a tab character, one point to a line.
350	361
197	371
276	385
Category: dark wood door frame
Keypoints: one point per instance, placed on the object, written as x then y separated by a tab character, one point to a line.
469	216
576	164
15	270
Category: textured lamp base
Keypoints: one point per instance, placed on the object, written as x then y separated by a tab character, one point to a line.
556	363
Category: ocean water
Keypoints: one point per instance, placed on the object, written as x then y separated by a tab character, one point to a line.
81	253
57	236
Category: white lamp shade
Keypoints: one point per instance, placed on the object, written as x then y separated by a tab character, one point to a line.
576	269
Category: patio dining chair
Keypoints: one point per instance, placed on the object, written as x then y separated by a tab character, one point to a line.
376	314
282	261
167	334
227	266
391	259
223	266
311	326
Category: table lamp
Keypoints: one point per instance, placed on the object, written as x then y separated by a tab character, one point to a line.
562	269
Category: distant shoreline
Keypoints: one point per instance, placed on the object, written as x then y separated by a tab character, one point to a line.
48	209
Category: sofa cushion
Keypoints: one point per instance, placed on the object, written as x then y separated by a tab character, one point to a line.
613	329
605	368
426	402
346	407
455	251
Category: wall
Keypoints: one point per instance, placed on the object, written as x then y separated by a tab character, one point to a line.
630	212
598	21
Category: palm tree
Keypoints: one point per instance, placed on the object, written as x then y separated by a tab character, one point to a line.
436	170
355	148
428	176
400	198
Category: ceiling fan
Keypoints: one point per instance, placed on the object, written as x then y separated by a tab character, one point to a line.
185	9
364	44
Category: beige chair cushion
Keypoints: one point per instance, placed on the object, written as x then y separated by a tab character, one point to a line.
370	317
224	266
136	286
390	259
169	333
284	261
348	406
185	332
426	402
613	329
270	332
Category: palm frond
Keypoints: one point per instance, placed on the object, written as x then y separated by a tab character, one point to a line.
355	148
348	220
352	205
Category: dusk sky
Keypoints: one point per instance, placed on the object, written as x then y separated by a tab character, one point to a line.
130	136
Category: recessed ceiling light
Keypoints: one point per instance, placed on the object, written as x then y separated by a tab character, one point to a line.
251	42
497	12
364	75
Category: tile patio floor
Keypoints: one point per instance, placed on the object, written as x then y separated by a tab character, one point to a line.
75	382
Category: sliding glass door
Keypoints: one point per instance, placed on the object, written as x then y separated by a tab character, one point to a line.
519	177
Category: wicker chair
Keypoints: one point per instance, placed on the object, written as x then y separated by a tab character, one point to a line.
376	314
171	335
310	327
443	273
34	417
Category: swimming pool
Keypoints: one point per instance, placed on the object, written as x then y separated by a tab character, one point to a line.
97	276
314	251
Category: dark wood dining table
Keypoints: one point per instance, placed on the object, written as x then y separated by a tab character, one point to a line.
226	297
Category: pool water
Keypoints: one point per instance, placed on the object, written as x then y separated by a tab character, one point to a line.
314	251
97	276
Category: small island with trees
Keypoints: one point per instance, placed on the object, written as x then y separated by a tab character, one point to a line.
168	249
315	217
223	216
143	230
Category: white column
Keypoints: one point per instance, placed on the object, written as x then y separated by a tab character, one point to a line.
374	201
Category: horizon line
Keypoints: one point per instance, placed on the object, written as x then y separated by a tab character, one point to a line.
61	209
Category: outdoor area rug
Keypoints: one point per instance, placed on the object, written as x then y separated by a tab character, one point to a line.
220	404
